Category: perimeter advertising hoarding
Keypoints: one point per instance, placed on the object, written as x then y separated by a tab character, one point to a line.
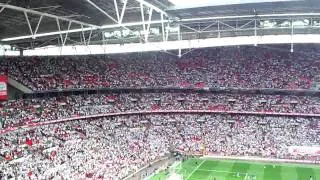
305	150
3	88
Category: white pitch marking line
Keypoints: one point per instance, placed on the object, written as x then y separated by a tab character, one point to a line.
195	169
212	170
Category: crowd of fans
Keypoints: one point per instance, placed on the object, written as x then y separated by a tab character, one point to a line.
244	67
21	112
112	148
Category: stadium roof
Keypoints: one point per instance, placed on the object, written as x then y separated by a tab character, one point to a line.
37	23
182	4
263	7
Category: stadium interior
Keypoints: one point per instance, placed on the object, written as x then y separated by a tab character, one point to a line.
160	89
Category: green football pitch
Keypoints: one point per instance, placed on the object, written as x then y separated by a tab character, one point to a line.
209	169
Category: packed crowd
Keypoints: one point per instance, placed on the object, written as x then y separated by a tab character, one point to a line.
20	112
244	67
112	148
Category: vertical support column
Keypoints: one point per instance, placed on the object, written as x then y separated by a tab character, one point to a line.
162	26
149	24
219	35
167	32
89	39
83	36
143	22
80	35
21	52
291	49
103	38
255	33
58	24
179	39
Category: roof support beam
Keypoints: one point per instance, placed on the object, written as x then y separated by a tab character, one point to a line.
33	32
123	10
146	30
190	28
148	27
29	25
44	14
83	36
89	39
227	25
2	9
101	10
250	16
58	24
152	7
123	25
162	28
143	25
209	26
219	23
66	36
37	27
246	24
116	8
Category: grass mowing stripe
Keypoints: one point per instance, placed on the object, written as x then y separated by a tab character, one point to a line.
272	172
241	168
265	163
256	170
208	169
288	172
305	173
195	169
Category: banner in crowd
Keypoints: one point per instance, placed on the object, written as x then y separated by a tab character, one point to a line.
305	150
3	88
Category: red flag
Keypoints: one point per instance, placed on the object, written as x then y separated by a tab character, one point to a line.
154	107
200	85
29	142
185	84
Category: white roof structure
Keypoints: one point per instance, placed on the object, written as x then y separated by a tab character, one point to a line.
112	26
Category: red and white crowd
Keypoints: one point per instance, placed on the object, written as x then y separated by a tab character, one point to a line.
112	148
244	67
21	112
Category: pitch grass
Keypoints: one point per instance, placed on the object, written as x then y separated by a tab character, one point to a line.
208	169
